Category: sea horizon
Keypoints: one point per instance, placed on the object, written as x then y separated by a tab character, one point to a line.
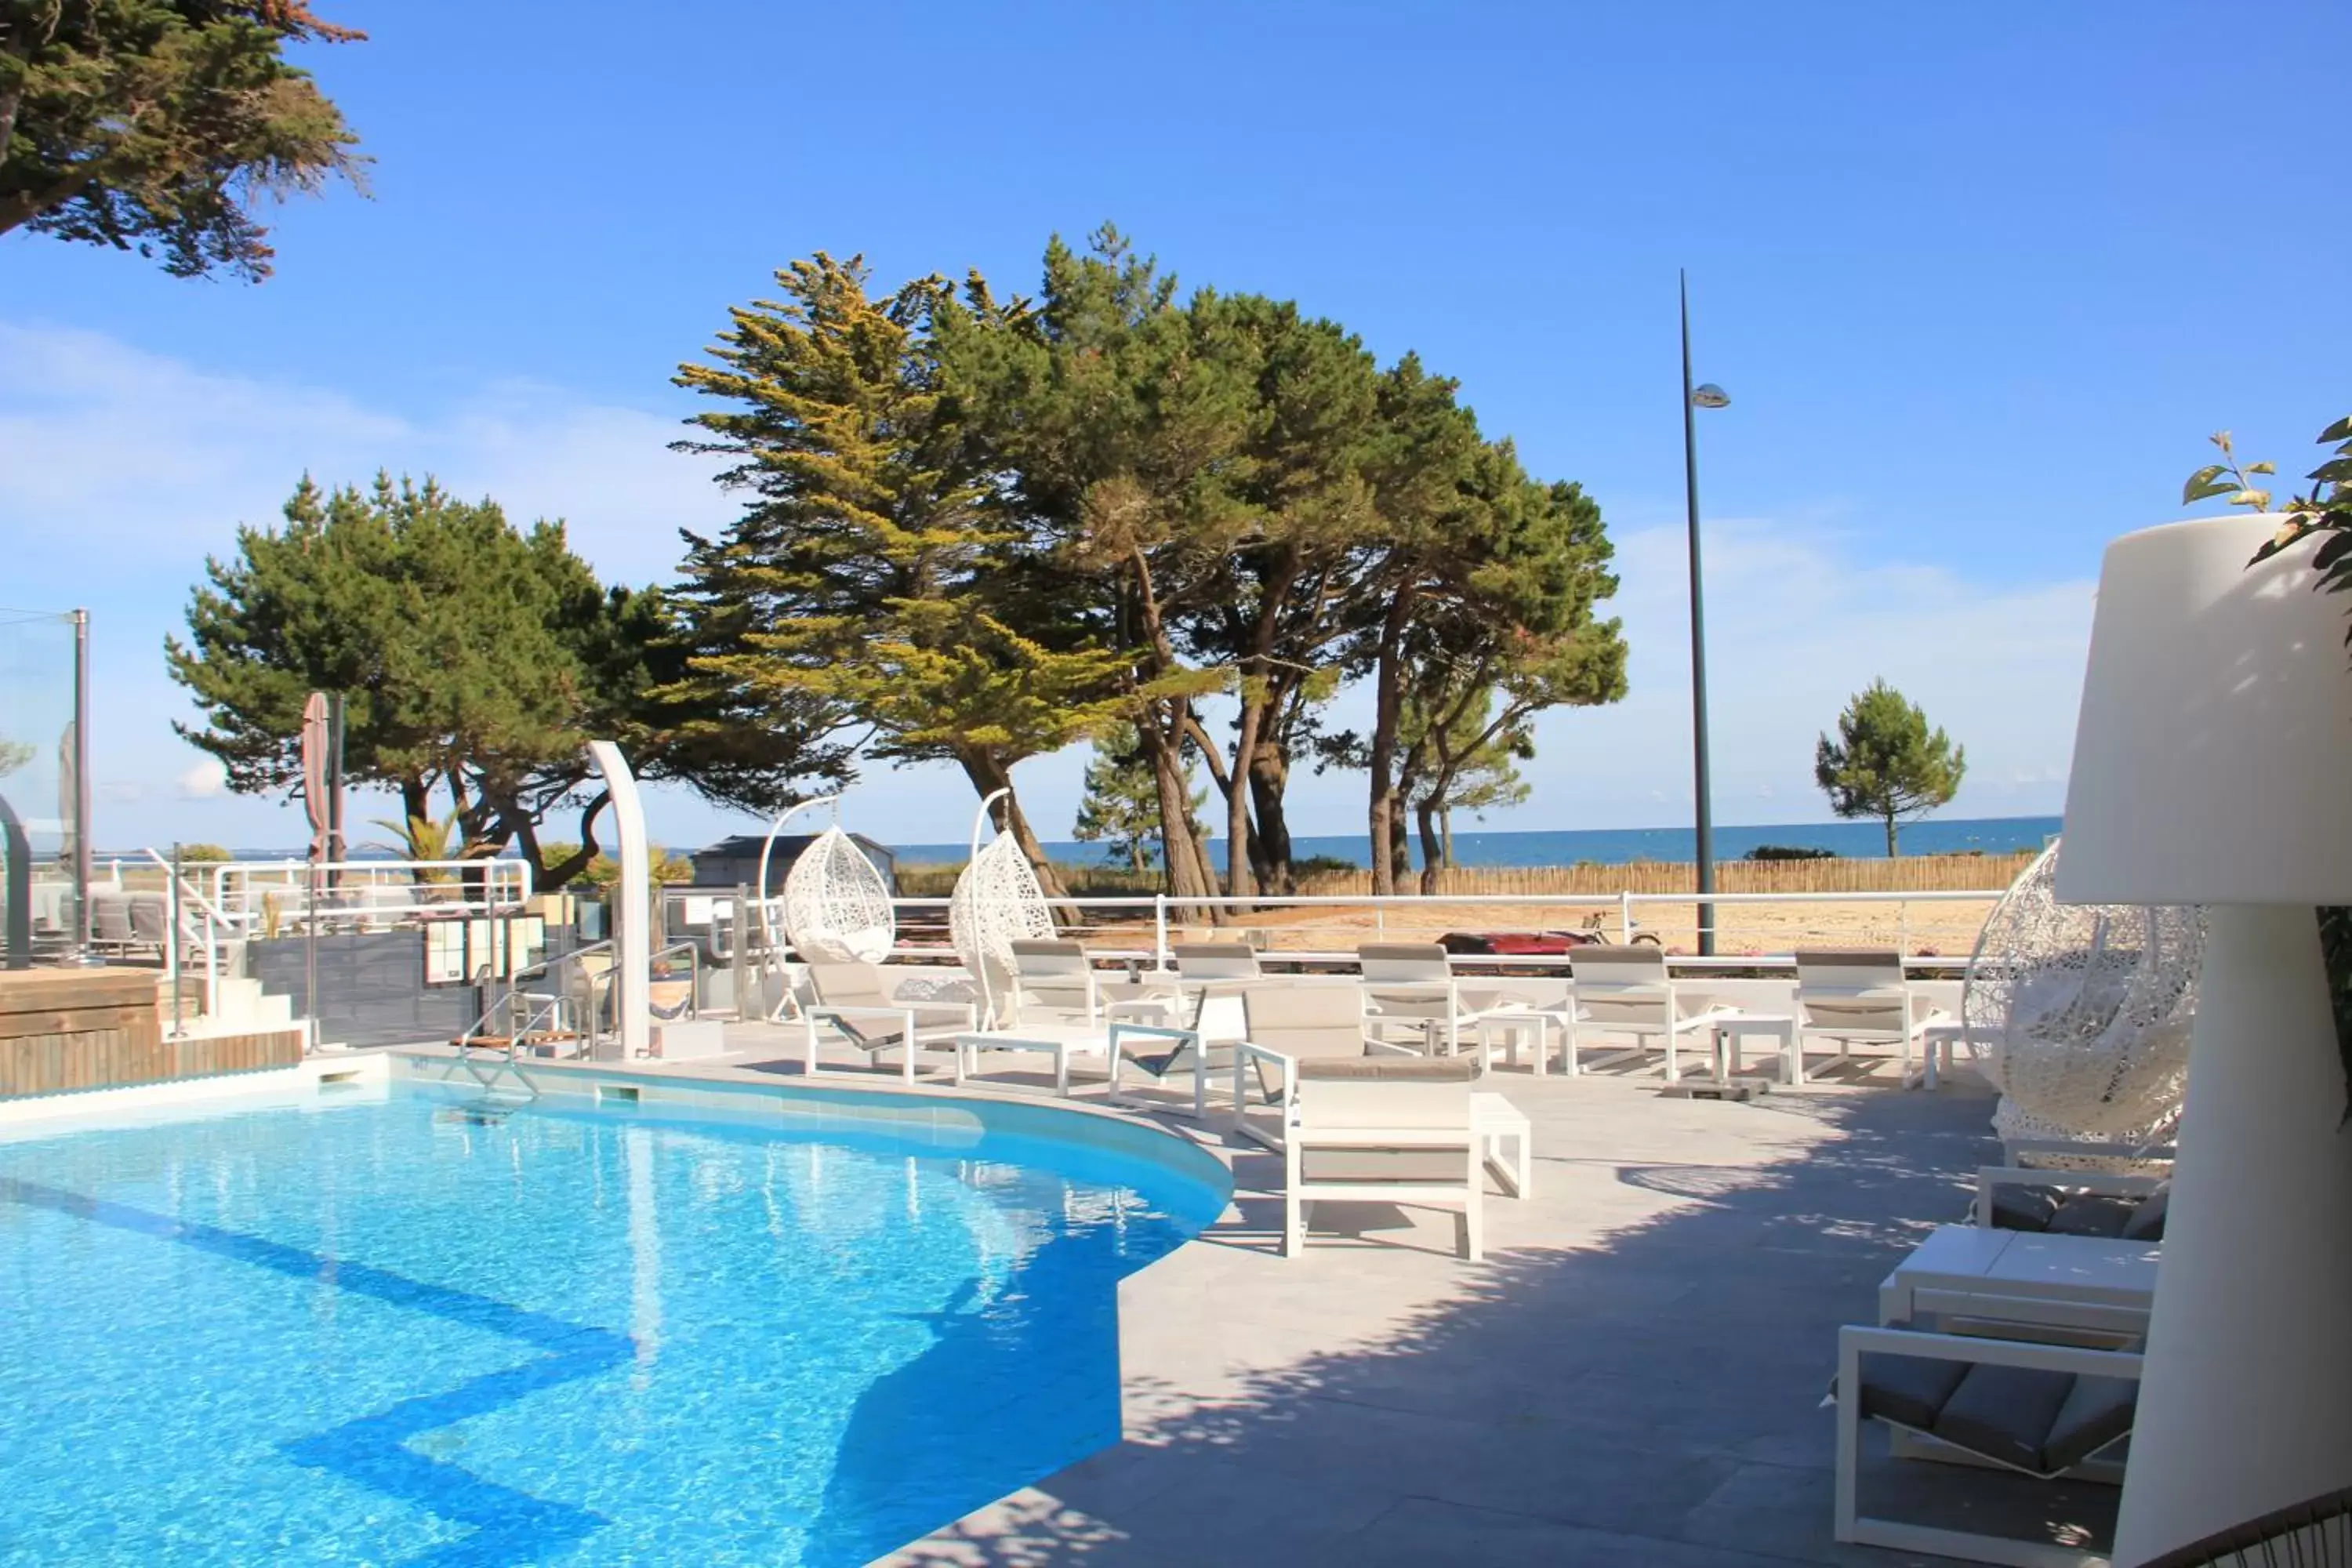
1527	847
1516	848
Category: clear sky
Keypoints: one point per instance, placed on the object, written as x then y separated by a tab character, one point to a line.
1979	281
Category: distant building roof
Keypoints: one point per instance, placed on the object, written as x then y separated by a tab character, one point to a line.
736	860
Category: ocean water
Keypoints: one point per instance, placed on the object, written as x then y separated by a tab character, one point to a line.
383	1332
1617	846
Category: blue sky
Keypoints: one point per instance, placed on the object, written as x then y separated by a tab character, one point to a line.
1979	281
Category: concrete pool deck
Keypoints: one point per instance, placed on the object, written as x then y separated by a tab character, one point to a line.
1633	1376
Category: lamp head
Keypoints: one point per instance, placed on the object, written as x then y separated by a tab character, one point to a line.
2216	729
1709	395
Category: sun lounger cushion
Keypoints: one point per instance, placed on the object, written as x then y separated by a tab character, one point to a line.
2097	1411
2091	1213
2039	1421
873	1032
1418	1069
2004	1413
2016	1207
1908	1389
2147	1223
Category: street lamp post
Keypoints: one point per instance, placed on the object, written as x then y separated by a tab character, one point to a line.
1705	395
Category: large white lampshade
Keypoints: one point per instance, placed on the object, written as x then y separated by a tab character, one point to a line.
2213	765
2213	759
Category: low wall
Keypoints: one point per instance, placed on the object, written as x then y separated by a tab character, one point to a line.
68	1029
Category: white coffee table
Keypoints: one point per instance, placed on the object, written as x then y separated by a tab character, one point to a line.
1725	1030
1060	1041
1971	1270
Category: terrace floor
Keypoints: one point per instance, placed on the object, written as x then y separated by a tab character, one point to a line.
1633	1376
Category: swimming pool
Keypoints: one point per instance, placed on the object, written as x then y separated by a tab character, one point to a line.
382	1328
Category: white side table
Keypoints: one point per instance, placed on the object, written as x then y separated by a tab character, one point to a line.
1504	1143
1514	1024
1061	1041
1724	1033
1937	1040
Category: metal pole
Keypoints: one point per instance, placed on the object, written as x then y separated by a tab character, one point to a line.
81	787
1706	817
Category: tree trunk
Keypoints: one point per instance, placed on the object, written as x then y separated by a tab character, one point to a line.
1445	833
1270	775
1187	872
1891	850
989	774
1388	709
1433	853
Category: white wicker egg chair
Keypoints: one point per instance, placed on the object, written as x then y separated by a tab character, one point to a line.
2082	1013
996	902
836	903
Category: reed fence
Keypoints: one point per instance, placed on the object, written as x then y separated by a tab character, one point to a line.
1906	874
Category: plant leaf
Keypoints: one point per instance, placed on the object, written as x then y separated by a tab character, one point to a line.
2262	468
2335	471
2259	500
2339	431
2204	484
2331	548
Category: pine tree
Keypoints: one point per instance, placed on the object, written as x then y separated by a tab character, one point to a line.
869	571
475	659
1121	805
148	124
1886	763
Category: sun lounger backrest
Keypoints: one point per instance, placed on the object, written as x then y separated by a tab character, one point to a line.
1304	1021
1406	962
847	984
110	915
1214	960
1623	986
1042	958
149	913
1854	988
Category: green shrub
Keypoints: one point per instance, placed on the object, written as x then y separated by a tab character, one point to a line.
1789	852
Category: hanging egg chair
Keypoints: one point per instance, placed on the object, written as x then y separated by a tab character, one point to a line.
2083	1012
996	902
836	904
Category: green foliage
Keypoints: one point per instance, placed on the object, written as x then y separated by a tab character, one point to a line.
1886	763
1789	852
474	657
602	872
1121	807
869	580
15	755
160	125
202	855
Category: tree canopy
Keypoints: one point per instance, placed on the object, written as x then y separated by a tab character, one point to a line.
986	528
1886	763
161	125
475	659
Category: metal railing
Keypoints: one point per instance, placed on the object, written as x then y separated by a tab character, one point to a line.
382	892
1168	911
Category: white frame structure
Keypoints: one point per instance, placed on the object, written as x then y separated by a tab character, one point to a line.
1853	1525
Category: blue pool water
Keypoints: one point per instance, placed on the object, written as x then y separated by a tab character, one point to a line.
381	1332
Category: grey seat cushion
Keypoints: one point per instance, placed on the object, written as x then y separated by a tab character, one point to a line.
2097	1411
2039	1421
2091	1213
2005	1413
2016	1207
1420	1070
2147	1223
1435	1167
1908	1389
